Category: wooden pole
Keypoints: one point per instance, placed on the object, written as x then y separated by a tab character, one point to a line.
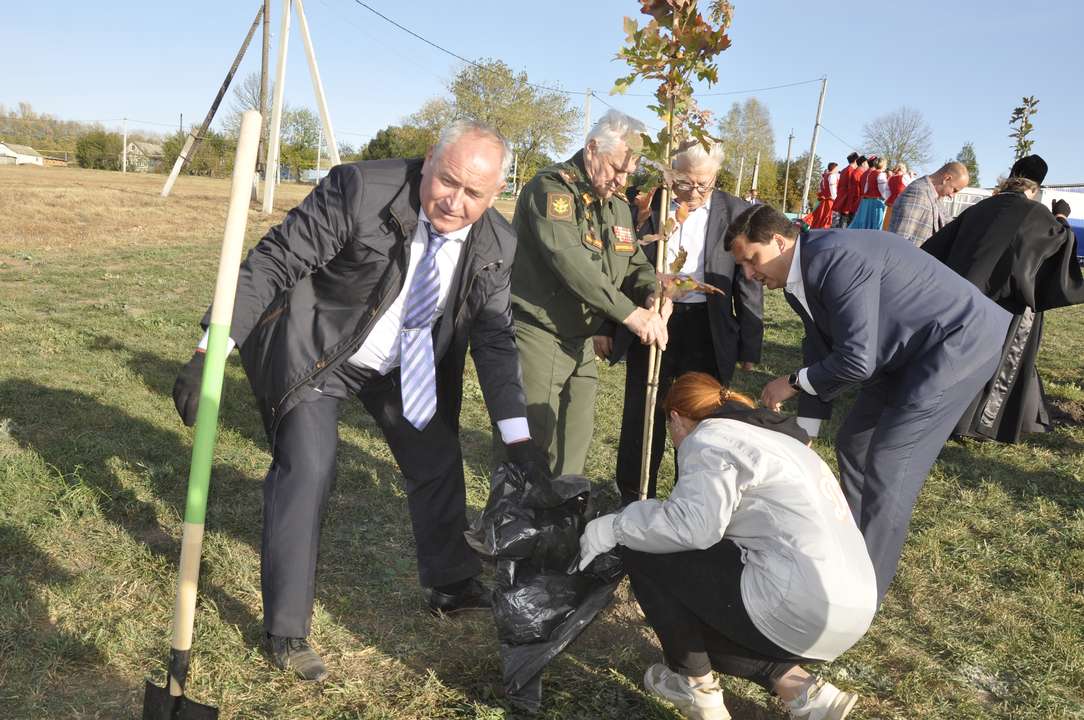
271	171
786	174
261	154
124	150
741	171
813	147
586	113
191	144
317	86
654	354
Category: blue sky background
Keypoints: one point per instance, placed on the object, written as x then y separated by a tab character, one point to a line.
964	65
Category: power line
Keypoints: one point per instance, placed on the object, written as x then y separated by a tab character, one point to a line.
852	146
737	92
456	55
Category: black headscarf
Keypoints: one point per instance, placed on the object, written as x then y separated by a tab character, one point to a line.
762	417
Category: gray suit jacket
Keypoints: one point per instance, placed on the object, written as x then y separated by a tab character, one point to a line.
737	318
881	308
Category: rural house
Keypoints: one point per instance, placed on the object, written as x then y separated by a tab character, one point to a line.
144	156
11	154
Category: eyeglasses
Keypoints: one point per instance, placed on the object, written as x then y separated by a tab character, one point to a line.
684	186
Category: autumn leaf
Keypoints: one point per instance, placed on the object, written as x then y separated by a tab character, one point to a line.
679	261
682	213
676	287
643	206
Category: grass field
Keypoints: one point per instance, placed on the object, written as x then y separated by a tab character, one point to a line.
101	286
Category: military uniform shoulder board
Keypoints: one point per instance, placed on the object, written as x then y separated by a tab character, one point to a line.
559	206
624	240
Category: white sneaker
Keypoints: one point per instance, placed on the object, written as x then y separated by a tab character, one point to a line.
697	702
822	701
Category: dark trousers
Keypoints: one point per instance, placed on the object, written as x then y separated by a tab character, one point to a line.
302	472
693	602
886	447
689	349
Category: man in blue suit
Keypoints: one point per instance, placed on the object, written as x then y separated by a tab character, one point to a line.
917	340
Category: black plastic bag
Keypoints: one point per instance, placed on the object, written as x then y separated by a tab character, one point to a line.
531	527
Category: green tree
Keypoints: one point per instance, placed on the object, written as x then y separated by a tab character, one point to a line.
795	182
100	150
1020	122
535	121
213	158
745	131
300	133
970	161
399	141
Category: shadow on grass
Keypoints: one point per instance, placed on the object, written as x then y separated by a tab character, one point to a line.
81	437
41	665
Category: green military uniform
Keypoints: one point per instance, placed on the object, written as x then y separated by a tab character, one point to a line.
578	266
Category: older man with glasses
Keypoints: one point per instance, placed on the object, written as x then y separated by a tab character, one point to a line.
708	334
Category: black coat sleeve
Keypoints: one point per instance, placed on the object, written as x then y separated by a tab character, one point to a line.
493	347
1046	273
311	235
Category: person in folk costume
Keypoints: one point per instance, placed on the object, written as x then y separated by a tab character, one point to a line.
855	198
844	190
897	182
1023	257
829	190
871	210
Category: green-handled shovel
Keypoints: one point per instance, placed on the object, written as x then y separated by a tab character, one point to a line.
169	703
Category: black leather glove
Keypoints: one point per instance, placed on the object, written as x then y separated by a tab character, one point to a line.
529	457
186	389
1060	207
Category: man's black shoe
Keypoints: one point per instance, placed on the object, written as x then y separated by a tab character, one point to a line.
470	594
295	654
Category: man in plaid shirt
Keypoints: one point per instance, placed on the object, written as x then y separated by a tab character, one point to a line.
918	212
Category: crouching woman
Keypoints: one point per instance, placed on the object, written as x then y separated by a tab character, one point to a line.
751	566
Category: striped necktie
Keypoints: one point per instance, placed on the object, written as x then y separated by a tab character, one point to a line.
417	370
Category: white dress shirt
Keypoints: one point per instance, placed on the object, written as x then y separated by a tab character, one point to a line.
690	236
796	287
380	351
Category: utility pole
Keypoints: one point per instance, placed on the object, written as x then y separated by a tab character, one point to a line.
515	175
319	147
180	125
756	171
261	153
271	171
586	113
813	147
741	171
317	86
191	144
124	151
786	173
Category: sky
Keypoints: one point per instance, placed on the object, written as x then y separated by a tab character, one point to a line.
963	65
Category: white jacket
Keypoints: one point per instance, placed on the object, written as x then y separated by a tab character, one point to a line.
808	583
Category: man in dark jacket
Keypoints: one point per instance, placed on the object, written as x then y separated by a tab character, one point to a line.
373	287
917	340
706	333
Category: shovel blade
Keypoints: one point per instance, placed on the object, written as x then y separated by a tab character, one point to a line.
158	704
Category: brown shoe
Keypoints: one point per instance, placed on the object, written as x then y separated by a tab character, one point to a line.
295	654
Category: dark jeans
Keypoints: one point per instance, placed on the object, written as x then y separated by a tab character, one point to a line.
690	349
693	602
302	472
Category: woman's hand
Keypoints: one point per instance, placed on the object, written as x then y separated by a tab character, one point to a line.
598	537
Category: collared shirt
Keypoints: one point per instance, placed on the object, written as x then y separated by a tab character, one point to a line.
690	236
380	351
796	287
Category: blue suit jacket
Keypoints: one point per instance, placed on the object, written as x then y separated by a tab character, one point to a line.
882	307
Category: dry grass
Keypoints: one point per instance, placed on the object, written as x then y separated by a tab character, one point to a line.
101	284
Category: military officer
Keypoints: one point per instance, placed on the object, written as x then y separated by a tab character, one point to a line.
578	266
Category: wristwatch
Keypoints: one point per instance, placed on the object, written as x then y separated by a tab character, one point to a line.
792	380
